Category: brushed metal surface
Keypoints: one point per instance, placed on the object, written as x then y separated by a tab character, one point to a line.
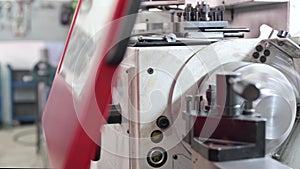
277	102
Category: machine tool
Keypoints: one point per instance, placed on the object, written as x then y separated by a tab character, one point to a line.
194	94
182	113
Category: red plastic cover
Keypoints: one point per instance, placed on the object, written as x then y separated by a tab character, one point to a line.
81	91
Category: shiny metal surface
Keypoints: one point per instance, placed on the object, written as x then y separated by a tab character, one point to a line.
189	67
289	152
277	102
279	117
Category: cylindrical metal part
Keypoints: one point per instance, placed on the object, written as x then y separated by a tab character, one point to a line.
221	13
234	35
248	108
228	101
172	15
188	13
210	97
214	15
149	39
197	11
198	100
179	14
196	16
188	100
205	10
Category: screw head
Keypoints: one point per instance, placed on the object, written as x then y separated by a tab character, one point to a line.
259	48
150	70
280	43
263	59
255	55
267	52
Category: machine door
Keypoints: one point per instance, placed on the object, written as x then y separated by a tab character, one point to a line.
81	91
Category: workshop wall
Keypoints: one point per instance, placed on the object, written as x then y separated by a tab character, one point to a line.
274	15
252	14
42	19
24	54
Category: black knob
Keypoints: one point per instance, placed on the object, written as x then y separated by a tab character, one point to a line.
263	59
267	52
259	48
255	55
163	122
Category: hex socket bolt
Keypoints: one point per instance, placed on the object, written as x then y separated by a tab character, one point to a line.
172	12
188	100
198	100
179	14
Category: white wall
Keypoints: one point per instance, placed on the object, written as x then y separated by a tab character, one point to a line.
24	54
45	23
294	23
20	55
276	15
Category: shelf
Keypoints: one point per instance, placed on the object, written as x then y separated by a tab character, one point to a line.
23	84
24	102
29	118
24	97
